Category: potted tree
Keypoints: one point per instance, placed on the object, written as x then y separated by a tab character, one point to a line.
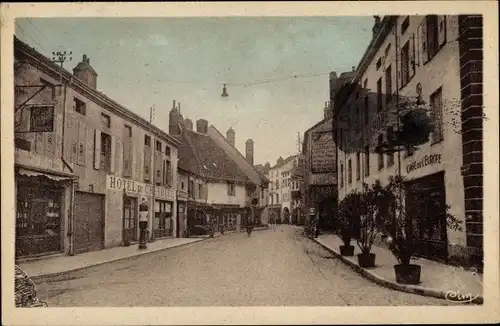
345	223
404	231
368	209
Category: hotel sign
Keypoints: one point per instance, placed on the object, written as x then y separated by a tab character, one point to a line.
323	152
119	184
426	160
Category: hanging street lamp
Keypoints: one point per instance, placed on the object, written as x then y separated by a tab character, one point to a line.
224	91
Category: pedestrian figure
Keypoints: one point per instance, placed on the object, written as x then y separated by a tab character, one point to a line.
273	221
249	227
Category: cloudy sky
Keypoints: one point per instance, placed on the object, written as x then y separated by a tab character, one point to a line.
144	62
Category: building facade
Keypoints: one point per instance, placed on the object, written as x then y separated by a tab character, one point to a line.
83	162
435	61
219	196
279	188
319	171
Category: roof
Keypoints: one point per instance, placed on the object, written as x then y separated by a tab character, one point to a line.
285	161
237	152
200	155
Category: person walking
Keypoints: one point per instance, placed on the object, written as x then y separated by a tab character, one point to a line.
273	221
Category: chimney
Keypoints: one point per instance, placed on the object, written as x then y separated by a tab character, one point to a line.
189	124
230	136
174	121
376	26
202	126
173	105
84	72
249	151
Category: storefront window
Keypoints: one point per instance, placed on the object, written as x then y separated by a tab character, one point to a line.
163	224
38	221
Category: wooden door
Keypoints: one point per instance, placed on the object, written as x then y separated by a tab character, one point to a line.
89	222
130	218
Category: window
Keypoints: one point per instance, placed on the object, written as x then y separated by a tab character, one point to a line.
158	146
277	184
341	174
105	152
200	190
277	198
405	24
365	84
390	155
79	106
167	173
367	161
128	131
147	140
358	166
379	63
191	189
405	61
42	119
367	111
380	141
105	121
349	171
167	150
182	185
379	95
432	36
388	85
231	189
436	102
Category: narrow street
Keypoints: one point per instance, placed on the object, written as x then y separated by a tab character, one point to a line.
280	268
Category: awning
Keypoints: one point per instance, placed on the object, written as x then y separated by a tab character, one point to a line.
52	176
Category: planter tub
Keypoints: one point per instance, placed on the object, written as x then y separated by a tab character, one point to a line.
366	260
407	274
347	251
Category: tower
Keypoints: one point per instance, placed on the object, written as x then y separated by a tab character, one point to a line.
231	137
85	72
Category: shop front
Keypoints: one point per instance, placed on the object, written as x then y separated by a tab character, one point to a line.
161	219
42	198
425	203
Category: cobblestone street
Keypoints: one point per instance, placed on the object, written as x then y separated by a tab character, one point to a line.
267	269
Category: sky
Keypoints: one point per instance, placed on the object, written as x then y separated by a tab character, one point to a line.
149	62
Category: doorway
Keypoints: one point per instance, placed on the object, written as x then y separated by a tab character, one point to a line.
89	222
130	219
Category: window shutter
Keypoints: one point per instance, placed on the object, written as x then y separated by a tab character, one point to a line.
97	149
441	30
112	154
127	157
423	41
147	163
411	56
82	151
118	156
67	137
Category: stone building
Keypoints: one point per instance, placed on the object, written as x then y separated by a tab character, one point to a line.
435	61
83	161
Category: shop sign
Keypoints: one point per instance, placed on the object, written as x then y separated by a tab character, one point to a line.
426	160
323	152
182	195
118	184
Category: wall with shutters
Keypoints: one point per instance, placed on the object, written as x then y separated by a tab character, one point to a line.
442	70
217	194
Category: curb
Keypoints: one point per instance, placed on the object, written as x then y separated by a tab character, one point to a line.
45	277
414	289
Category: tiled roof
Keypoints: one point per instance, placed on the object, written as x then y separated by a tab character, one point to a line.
200	155
285	161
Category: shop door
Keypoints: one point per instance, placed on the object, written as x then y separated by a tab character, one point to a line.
130	219
89	222
426	203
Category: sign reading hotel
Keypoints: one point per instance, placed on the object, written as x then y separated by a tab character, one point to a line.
426	160
139	188
323	152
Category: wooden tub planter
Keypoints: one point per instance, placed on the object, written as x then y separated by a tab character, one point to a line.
366	260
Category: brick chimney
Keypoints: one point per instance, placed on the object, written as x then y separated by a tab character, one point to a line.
188	124
376	25
202	126
249	151
230	136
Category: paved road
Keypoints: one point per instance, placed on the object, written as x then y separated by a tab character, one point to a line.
267	269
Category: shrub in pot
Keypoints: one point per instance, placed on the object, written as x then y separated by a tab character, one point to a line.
404	231
345	223
368	210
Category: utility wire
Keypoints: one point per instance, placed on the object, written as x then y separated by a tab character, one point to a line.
29	36
39	31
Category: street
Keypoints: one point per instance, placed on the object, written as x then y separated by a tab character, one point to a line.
280	268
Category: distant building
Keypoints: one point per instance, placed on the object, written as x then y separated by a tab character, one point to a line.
280	199
83	162
438	60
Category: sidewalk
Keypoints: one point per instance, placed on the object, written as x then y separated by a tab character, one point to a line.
437	279
53	266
